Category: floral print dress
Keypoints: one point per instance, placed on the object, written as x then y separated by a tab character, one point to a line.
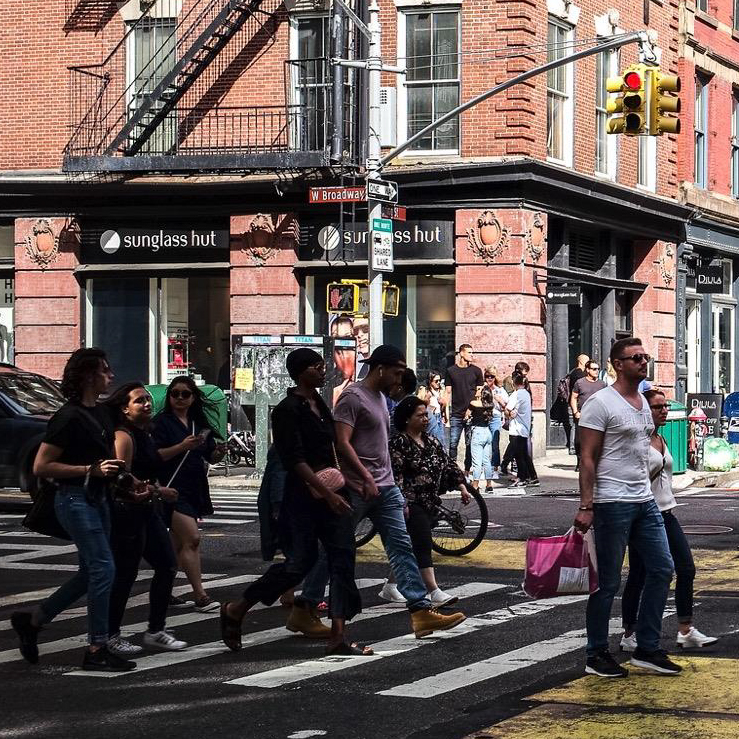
423	472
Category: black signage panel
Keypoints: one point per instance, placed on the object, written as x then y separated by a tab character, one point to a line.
706	276
411	240
118	244
564	295
710	404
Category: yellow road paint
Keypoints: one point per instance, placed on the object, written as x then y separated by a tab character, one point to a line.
708	685
577	722
716	570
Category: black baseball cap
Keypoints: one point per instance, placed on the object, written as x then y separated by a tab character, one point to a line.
386	354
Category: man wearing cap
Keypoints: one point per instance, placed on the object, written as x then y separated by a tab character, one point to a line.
303	432
362	426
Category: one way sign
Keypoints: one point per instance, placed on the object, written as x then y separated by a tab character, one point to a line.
382	190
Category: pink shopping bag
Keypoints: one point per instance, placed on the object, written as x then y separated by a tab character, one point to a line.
560	565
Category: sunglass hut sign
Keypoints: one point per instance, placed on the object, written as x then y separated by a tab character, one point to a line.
112	241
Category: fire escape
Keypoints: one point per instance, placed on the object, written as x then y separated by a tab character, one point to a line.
161	100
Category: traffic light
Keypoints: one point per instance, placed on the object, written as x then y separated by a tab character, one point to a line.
342	297
661	101
629	108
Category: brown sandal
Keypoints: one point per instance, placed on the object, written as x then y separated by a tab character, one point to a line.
230	630
349	650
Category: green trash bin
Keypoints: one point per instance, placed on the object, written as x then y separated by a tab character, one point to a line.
675	433
216	411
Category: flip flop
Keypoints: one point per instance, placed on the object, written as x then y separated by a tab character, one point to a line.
349	650
230	630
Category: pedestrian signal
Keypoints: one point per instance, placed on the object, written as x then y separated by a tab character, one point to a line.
628	109
662	102
342	297
390	300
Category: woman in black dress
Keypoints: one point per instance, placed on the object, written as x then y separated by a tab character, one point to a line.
187	445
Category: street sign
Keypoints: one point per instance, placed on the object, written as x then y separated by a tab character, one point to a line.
396	212
318	195
709	277
382	251
382	224
382	190
564	295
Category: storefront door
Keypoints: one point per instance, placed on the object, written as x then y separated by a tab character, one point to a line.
693	344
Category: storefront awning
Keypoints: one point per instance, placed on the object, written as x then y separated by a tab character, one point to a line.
149	267
576	277
427	264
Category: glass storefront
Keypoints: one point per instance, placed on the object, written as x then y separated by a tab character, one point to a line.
7	292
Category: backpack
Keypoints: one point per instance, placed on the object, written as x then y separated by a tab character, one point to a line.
563	389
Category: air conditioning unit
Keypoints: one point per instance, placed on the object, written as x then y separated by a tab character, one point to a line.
388	116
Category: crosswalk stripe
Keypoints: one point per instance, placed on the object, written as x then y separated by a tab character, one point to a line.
391	647
230	521
200	651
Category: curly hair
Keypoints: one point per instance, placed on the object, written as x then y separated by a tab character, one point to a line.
80	367
199	402
404	410
119	399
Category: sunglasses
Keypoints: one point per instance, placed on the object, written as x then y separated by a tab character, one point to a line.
594	369
659	406
489	377
183	394
638	358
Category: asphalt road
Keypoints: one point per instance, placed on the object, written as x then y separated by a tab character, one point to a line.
482	679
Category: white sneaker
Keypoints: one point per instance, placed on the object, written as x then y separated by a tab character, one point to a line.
164	640
439	598
628	643
391	593
496	475
123	648
694	639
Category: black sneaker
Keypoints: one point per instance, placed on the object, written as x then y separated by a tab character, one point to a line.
656	661
104	661
27	635
603	665
176	602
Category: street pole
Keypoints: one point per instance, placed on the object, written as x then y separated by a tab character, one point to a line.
374	169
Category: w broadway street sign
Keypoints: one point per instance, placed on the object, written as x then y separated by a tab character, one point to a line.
317	195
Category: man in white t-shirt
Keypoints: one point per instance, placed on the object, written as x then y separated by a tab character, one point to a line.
616	500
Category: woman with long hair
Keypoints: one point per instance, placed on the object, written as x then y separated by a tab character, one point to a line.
137	527
187	445
500	397
77	452
430	393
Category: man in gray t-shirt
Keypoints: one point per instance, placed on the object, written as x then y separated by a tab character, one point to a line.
362	424
584	388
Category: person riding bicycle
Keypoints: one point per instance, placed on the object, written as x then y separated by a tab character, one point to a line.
423	471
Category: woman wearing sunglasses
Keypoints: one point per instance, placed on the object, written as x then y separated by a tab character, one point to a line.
187	445
660	474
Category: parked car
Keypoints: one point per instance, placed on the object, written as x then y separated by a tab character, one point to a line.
27	401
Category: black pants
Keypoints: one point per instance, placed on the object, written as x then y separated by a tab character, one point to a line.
304	521
419	529
684	576
524	463
136	531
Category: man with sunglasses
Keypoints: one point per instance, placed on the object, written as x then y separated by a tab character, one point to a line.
616	500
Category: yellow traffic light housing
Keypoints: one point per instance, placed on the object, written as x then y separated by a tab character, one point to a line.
661	101
629	108
342	297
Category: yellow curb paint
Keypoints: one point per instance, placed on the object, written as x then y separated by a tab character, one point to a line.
579	722
708	685
716	570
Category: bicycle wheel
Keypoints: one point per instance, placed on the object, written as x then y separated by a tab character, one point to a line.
364	532
459	528
234	457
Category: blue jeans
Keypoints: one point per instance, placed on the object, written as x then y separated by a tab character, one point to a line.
436	427
386	513
615	526
458	426
89	527
495	426
482	441
314	585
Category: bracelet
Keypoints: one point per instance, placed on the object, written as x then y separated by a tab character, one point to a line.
585	508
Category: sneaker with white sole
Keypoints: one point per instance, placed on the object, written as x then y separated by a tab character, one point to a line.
176	601
628	643
206	604
495	475
694	639
439	598
656	661
164	640
122	647
391	593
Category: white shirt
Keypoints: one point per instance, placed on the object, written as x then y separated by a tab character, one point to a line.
662	483
520	424
622	474
433	405
501	394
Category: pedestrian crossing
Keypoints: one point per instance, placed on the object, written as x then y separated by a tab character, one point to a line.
233	507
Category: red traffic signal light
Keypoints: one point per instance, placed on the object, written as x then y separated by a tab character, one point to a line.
632	80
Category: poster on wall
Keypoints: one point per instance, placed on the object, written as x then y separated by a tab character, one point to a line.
710	404
348	359
7	302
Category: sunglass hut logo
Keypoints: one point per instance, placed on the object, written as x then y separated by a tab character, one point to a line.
111	241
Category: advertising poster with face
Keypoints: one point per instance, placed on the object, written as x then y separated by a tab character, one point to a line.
347	361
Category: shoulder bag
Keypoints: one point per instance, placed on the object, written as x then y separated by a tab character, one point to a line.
42	517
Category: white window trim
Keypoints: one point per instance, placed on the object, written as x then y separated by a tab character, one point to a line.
651	184
705	81
611	172
568	120
719	302
564	10
402	106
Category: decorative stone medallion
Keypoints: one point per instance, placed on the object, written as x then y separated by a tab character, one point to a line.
535	239
666	264
42	244
259	239
488	238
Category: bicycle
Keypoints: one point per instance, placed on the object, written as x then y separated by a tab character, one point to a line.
240	444
456	529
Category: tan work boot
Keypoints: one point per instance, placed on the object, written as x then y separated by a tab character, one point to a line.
427	621
307	622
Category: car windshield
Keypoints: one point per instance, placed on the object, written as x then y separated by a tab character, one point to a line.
31	395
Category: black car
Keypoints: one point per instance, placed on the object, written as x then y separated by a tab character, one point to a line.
27	401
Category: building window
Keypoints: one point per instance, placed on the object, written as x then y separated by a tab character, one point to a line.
701	118
736	14
722	347
735	142
605	145
429	44
702	5
646	163
623	322
559	94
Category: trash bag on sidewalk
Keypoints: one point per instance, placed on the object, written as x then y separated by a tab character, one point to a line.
718	455
561	565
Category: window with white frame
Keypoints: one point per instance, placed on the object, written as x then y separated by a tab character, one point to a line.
429	43
735	143
559	94
736	14
605	145
702	5
646	163
701	118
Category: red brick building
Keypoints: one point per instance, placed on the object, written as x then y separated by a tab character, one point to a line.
161	205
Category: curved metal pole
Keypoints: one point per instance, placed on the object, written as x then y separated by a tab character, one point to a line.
615	43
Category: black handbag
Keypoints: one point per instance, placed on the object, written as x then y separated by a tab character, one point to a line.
42	517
